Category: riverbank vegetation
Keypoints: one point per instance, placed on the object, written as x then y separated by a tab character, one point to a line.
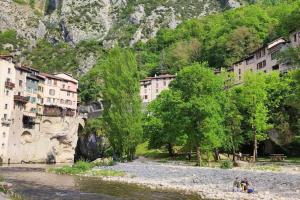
87	169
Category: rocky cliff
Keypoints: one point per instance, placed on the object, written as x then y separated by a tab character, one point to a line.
127	21
107	22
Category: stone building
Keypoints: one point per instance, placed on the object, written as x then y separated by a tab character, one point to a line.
265	58
7	85
151	87
34	128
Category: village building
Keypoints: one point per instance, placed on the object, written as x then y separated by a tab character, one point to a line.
39	121
151	87
7	85
265	59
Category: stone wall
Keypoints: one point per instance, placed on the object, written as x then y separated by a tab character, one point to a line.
53	139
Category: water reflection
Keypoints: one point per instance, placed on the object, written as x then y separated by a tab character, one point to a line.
36	184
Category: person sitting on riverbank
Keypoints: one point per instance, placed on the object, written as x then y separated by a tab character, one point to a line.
246	186
237	185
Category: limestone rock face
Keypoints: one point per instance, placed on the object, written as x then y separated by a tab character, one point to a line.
107	21
52	140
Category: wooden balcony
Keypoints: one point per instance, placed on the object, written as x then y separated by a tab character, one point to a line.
9	85
21	99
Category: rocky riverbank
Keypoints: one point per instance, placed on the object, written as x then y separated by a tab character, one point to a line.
210	183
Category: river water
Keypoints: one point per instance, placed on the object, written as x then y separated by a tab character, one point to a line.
33	183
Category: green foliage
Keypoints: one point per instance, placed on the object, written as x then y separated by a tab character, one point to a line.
61	57
164	123
9	37
79	167
226	164
122	103
22	2
90	85
219	39
51	58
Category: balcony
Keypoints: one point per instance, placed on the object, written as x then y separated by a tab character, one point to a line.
21	99
5	121
9	85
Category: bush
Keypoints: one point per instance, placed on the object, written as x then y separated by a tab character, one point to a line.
78	168
226	164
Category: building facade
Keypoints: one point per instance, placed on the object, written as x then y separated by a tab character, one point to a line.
151	87
265	58
7	85
38	115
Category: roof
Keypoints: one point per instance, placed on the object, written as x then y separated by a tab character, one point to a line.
272	44
159	77
56	77
5	56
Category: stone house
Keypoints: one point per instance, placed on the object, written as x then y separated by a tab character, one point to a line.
151	87
265	58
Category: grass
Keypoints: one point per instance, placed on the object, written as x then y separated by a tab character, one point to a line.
22	2
142	150
85	168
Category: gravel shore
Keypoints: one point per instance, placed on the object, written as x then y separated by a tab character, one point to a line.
209	183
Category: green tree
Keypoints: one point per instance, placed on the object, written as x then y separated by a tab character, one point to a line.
122	103
201	90
252	99
232	122
164	121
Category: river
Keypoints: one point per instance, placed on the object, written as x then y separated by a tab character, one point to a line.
34	183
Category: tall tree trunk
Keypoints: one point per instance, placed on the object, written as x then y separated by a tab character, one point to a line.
198	155
255	147
217	155
170	149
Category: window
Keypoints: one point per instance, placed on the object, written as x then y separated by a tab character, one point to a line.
295	37
6	106
145	90
3	134
146	96
9	70
240	71
55	82
145	86
63	86
274	55
5	116
275	67
261	64
49	82
20	83
32	99
3	145
7	92
61	101
52	92
260	53
48	100
156	85
68	87
156	90
165	83
68	93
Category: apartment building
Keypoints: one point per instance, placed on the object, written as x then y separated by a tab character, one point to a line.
32	104
265	58
7	85
151	87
